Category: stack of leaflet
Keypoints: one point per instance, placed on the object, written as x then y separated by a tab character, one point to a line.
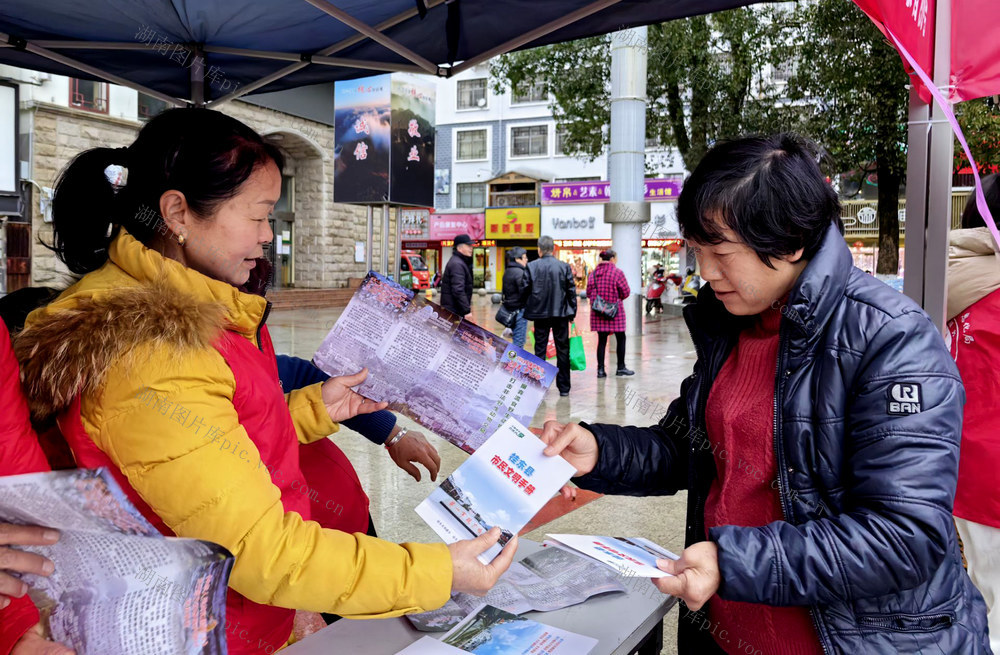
491	631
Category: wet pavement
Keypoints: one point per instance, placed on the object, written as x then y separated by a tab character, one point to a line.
661	358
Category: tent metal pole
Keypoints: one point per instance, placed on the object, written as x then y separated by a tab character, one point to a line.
198	80
92	45
940	162
364	64
918	138
369	254
536	33
374	35
384	254
399	243
329	50
96	72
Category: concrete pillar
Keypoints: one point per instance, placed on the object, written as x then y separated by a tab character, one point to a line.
628	211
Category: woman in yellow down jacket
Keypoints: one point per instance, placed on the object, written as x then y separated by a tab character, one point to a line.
159	366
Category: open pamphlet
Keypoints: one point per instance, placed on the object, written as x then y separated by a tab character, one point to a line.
447	374
119	586
551	579
504	483
629	556
492	631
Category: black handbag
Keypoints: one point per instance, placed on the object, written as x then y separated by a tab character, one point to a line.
604	308
505	317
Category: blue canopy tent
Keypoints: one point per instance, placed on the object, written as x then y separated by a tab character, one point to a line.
207	52
183	51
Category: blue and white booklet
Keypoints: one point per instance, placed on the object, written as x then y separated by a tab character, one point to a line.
504	484
630	556
492	631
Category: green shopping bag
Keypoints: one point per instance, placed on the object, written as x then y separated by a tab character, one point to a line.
577	356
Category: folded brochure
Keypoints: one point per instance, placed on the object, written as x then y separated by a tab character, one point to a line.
504	483
548	580
448	374
630	556
120	587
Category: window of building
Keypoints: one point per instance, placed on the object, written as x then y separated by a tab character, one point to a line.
527	92
531	141
472	93
561	134
471	195
89	95
150	106
471	145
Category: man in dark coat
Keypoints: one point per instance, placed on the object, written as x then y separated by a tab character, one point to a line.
817	438
552	306
456	283
516	288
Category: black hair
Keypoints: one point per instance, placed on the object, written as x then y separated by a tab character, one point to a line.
204	154
515	253
767	189
991	189
608	255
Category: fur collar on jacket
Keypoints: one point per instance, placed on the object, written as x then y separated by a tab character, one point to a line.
67	351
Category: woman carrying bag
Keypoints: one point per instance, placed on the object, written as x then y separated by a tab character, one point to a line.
606	289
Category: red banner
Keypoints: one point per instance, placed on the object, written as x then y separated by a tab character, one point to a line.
975	41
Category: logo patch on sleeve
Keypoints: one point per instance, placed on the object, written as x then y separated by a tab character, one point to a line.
904	399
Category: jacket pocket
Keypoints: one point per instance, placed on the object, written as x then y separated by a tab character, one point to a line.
905	622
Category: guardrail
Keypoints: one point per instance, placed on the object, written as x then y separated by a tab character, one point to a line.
861	216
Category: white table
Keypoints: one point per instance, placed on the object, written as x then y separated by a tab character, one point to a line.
622	624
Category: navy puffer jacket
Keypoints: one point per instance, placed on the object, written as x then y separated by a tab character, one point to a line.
868	414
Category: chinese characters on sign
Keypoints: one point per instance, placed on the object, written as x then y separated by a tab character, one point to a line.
600	191
513	222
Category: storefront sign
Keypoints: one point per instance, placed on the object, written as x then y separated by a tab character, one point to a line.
567	193
513	222
414	223
449	226
575	222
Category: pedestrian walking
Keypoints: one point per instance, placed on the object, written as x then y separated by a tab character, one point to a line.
974	334
516	288
456	283
817	438
552	306
607	287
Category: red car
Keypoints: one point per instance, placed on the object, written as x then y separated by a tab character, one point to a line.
410	261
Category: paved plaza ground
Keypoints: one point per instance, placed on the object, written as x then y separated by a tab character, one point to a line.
661	358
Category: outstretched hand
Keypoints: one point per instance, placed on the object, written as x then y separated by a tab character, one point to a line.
414	449
19	561
342	402
696	575
471	576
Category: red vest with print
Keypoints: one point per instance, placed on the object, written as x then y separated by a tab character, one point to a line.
304	474
975	345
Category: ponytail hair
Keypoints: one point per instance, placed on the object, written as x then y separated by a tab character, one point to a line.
204	154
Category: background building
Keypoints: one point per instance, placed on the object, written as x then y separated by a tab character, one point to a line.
316	240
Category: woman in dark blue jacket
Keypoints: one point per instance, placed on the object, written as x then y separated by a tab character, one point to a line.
817	437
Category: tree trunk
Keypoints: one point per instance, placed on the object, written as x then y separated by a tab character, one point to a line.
888	219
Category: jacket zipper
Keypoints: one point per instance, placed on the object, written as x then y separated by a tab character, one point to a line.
700	499
260	325
782	481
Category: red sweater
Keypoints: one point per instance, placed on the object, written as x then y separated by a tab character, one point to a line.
740	422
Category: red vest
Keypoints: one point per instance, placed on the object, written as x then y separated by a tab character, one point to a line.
303	473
